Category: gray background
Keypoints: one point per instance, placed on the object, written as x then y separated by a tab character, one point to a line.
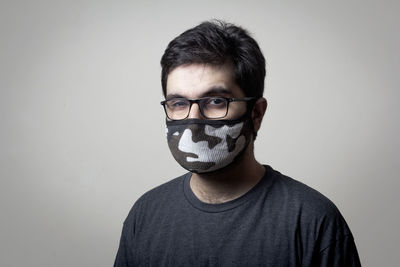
82	132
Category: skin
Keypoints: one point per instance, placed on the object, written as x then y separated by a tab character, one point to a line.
199	80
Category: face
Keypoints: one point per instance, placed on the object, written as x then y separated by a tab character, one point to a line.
200	80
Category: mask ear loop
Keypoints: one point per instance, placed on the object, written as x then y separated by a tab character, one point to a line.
250	107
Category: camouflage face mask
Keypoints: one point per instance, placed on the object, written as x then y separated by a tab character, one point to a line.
202	146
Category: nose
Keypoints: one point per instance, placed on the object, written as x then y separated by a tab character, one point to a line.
195	112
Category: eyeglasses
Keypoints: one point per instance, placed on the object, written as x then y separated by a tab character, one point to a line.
210	107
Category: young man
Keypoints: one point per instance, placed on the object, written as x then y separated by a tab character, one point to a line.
228	210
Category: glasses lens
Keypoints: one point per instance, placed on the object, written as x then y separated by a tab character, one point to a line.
177	108
214	107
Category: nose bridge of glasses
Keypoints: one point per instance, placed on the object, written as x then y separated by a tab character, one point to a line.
195	110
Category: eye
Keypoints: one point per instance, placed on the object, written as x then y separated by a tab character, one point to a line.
177	103
216	101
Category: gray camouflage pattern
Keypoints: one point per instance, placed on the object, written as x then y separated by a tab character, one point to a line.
200	147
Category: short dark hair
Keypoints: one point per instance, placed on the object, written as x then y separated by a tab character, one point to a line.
217	42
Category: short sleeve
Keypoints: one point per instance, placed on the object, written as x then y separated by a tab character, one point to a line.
341	252
125	254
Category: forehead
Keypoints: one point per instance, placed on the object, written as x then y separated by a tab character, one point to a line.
197	80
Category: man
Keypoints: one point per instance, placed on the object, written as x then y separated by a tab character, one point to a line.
228	210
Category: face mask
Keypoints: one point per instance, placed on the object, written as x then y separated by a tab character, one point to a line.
202	146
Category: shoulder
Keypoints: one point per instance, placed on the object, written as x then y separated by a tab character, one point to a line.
313	213
301	196
318	223
157	197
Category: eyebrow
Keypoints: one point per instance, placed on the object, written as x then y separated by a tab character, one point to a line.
217	90
213	91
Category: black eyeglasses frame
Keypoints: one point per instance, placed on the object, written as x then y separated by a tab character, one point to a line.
197	101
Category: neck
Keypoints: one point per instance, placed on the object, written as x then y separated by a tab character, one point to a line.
230	182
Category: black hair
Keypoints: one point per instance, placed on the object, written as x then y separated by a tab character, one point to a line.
217	42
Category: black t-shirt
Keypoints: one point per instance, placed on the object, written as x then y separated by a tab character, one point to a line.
279	222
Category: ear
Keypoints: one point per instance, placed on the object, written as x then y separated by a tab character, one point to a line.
258	112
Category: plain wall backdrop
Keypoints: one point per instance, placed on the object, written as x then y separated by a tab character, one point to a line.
82	131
